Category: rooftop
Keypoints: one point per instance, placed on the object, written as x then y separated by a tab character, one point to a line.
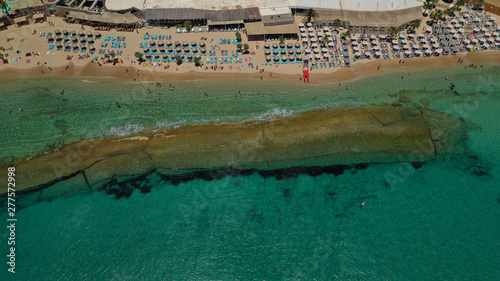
355	5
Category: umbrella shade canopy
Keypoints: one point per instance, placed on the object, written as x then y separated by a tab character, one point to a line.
308	51
160	44
178	49
289	45
81	33
267	45
268	58
275	45
297	45
203	50
298	51
276	58
145	49
331	44
316	50
89	34
57	31
98	35
177	43
301	24
324	50
290	51
314	45
152	43
396	47
185	43
283	51
193	43
65	32
302	29
282	45
267	52
309	24
313	39
284	57
201	43
275	51
303	34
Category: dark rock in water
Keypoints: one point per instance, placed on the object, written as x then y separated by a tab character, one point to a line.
287	193
361	166
417	165
405	99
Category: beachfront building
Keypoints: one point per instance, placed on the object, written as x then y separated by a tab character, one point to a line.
261	19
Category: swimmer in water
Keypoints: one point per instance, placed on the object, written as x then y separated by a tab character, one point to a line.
362	204
62	92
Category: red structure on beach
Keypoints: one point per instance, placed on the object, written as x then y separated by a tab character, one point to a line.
306	75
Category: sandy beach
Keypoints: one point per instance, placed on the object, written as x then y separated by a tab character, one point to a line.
53	65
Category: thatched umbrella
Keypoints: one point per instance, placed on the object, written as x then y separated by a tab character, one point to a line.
83	40
81	33
186	51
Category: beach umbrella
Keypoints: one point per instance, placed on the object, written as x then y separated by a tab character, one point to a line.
267	52
382	36
178	49
304	40
203	50
59	39
298	51
469	47
177	43
316	50
83	40
303	34
161	44
268	58
466	41
314	45
324	50
486	45
185	43
57	31
81	33
186	51
275	51
98	35
408	52
283	51
308	51
301	24
396	47
276	58
297	45
267	46
275	45
302	29
376	47
496	34
174	56
355	48
309	24
474	41
354	43
72	32
331	44
284	58
313	39
193	43
282	45
65	32
201	43
195	51
289	45
290	51
310	29
168	43
152	43
320	34
89	34
299	57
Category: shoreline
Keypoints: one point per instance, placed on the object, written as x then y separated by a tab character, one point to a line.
93	72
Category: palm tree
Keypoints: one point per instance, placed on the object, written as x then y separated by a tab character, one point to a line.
414	25
428	6
365	29
325	39
138	55
246	47
337	23
178	59
238	36
448	12
393	31
187	25
197	61
282	39
346	34
311	15
436	15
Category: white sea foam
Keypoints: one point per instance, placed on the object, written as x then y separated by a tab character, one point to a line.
125	131
273	114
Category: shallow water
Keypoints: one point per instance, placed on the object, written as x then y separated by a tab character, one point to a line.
438	222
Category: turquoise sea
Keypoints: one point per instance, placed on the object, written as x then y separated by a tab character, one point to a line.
437	222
